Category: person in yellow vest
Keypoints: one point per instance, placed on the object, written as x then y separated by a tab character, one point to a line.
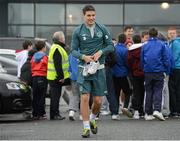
57	73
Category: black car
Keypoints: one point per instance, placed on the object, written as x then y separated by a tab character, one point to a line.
15	97
9	64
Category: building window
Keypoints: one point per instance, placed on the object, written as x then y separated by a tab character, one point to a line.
151	14
20	13
50	14
47	31
21	31
74	13
51	17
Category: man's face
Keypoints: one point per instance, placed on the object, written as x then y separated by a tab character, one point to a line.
129	32
44	49
172	34
114	42
62	39
145	38
30	47
89	18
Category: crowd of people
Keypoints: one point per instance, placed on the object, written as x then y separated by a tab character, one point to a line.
140	73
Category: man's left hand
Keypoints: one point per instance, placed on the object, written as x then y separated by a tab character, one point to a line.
97	55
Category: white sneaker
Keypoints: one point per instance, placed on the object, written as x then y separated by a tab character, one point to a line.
158	115
136	115
71	115
115	117
149	117
120	111
104	113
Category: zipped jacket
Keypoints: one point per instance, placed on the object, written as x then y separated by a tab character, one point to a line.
134	57
39	64
120	69
175	48
154	56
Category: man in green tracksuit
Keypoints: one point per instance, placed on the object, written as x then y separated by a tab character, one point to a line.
90	43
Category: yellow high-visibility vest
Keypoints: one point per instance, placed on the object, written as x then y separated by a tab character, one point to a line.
51	73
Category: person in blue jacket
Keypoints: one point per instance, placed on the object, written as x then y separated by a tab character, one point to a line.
155	62
120	73
74	97
165	92
174	78
91	41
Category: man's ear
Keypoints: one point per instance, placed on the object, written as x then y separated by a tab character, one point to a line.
55	39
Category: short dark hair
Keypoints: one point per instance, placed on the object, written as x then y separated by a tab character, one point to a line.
121	38
128	27
40	45
137	39
144	33
26	43
88	8
113	39
153	32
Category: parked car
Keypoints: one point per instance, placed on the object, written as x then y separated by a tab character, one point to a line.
15	96
9	64
9	53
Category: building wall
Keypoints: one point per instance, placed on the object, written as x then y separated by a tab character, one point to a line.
44	17
4	19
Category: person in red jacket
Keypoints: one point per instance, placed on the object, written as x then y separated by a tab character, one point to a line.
137	76
39	63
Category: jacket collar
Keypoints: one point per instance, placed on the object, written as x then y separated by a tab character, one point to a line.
135	46
60	43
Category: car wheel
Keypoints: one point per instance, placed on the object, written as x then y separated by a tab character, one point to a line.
27	115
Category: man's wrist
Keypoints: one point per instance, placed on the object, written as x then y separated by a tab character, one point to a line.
82	57
100	51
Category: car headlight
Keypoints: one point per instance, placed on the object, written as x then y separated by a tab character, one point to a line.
15	86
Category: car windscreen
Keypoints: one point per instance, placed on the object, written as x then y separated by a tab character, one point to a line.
8	61
10	56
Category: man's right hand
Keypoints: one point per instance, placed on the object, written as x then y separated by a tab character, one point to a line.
87	58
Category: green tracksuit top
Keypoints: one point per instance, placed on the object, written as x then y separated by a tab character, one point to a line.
83	44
